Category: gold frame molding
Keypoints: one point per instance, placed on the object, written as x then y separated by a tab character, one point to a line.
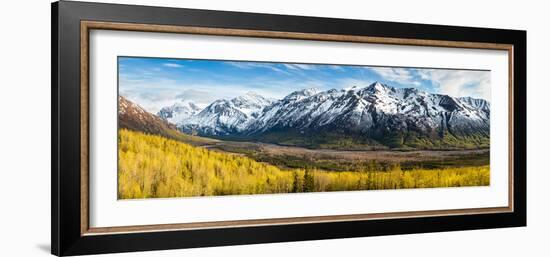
87	26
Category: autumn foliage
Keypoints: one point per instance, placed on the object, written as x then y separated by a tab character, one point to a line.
153	166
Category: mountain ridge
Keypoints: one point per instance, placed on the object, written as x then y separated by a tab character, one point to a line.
179	111
134	117
377	115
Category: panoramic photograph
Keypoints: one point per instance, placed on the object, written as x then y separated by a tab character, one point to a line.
190	127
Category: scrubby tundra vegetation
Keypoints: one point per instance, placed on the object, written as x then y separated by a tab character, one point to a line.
152	166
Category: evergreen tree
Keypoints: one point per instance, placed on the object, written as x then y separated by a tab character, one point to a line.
309	182
297	186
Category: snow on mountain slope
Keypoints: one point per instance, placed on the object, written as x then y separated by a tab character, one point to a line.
179	111
225	117
251	104
359	109
372	111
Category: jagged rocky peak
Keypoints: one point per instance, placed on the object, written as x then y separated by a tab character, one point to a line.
369	111
375	86
179	111
250	97
301	94
221	107
478	103
178	107
450	103
225	117
379	87
251	102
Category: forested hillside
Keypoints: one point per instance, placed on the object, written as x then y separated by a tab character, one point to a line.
155	166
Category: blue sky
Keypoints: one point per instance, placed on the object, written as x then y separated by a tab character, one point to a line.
157	82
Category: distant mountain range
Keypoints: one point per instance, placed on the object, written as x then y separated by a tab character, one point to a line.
179	112
376	116
133	117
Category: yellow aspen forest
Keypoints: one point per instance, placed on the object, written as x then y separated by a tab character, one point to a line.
151	166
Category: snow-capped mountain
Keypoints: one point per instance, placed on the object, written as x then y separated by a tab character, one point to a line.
251	104
376	114
299	95
226	117
376	107
179	111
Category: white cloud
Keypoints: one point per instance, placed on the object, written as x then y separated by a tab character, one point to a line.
150	102
456	83
459	83
153	95
254	65
336	67
172	65
294	66
399	75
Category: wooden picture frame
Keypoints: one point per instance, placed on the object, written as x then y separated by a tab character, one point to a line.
71	25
